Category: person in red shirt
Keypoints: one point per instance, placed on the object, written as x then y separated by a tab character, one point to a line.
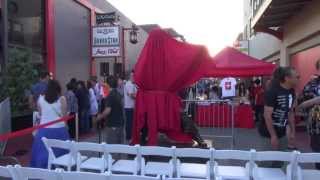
258	93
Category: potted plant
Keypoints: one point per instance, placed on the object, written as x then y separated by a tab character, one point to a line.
19	74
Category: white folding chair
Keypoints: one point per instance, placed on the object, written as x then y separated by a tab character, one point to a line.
168	178
83	176
193	170
26	173
67	160
92	163
308	174
8	172
263	173
123	165
232	172
132	177
157	168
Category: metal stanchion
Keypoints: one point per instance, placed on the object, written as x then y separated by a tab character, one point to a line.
77	126
99	132
232	125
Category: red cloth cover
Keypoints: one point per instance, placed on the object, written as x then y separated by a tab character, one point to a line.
244	117
233	63
165	66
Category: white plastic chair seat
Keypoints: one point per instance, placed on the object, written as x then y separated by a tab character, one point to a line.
125	166
193	170
232	172
310	174
158	168
64	160
94	163
269	174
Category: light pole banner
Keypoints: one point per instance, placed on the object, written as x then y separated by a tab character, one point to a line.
106	41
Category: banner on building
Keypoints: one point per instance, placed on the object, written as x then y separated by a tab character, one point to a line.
106	41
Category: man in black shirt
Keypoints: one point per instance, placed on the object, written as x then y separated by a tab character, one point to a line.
278	109
113	112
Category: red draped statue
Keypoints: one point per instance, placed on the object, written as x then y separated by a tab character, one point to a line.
165	67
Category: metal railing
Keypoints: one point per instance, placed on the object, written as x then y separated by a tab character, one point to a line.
256	4
215	118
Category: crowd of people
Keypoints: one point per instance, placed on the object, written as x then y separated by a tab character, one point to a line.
108	105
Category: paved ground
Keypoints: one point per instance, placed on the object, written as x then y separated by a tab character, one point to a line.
244	139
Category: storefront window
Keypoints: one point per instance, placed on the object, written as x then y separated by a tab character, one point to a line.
26	27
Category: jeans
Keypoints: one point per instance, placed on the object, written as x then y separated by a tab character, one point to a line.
315	146
72	126
129	119
266	146
258	112
84	119
114	135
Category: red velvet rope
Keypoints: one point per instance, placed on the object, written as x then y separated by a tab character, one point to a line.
26	131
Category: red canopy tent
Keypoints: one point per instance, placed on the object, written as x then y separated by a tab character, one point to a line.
165	67
233	63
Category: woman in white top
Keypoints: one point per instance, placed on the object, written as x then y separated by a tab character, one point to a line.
93	103
52	106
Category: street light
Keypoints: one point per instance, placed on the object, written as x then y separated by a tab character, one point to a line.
133	34
133	38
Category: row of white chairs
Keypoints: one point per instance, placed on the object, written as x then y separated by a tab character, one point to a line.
176	167
25	173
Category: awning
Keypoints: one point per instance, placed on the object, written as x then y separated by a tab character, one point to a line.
233	63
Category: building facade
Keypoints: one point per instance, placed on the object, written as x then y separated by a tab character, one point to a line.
58	33
285	32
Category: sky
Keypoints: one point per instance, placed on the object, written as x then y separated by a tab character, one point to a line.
213	23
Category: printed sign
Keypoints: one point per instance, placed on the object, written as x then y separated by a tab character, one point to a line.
106	17
106	51
106	41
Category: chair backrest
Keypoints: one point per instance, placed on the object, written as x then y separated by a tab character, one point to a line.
132	177
273	156
83	176
55	143
7	172
157	151
88	146
193	152
232	154
26	173
308	158
121	148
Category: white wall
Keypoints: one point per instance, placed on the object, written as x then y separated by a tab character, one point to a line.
263	45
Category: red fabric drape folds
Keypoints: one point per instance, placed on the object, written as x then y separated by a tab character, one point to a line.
165	66
233	63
